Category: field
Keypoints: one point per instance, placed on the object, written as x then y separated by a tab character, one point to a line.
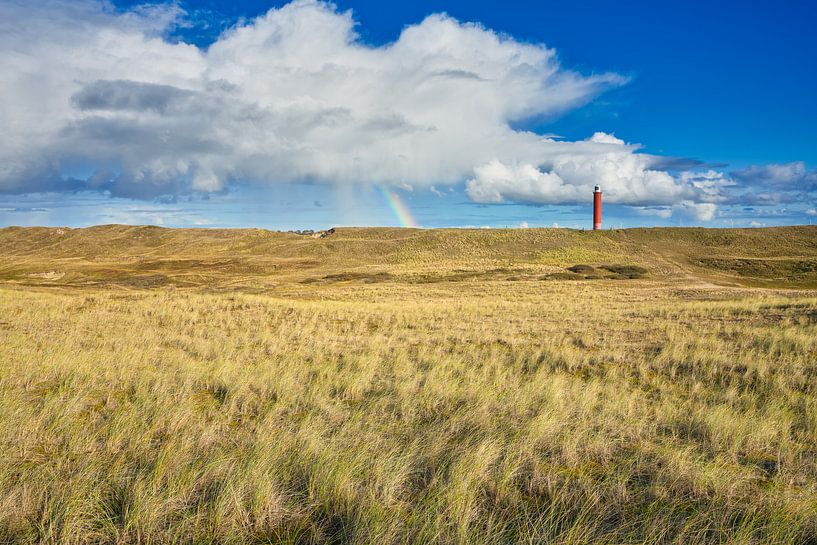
393	386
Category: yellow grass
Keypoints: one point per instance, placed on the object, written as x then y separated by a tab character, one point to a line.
400	404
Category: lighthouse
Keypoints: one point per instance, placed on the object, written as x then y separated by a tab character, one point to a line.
597	208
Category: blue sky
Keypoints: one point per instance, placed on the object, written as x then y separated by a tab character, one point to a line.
270	119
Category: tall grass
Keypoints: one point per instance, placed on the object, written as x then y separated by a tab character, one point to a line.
476	412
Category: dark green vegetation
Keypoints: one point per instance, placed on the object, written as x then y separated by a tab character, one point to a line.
615	272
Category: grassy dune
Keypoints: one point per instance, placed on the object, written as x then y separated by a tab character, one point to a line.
403	386
116	255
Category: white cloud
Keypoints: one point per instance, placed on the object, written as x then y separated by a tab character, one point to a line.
684	210
495	182
812	211
604	138
95	98
291	95
704	211
134	215
792	175
568	172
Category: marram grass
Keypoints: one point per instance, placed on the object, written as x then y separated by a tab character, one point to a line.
485	411
570	414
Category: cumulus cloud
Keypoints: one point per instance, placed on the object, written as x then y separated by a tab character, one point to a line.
776	176
704	211
684	210
96	98
566	172
291	95
777	183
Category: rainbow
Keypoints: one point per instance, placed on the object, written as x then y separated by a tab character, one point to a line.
399	208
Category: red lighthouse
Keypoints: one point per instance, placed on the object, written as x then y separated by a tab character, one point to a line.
597	209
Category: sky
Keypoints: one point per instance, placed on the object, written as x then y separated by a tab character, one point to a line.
308	115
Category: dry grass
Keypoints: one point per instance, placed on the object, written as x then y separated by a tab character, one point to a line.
495	408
